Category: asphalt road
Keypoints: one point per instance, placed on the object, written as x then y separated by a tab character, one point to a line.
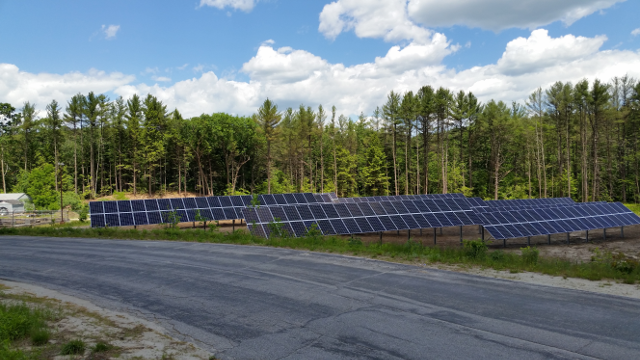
244	302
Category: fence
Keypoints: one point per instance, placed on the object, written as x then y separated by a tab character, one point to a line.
32	218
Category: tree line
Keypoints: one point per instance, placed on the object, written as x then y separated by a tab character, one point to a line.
578	140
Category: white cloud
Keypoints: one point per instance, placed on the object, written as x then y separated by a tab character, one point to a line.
292	77
244	5
636	32
396	20
161	78
110	31
183	66
503	14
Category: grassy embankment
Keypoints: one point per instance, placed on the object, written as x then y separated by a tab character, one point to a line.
474	253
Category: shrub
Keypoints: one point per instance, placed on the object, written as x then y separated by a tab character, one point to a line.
475	249
530	255
498	256
40	336
73	347
83	214
101	347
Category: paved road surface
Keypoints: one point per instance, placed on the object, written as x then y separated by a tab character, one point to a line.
259	303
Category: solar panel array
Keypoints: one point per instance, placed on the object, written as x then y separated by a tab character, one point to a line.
360	218
523	202
555	220
401	197
158	211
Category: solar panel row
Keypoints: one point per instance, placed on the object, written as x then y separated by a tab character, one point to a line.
525	207
402	197
158	211
519	202
532	222
357	218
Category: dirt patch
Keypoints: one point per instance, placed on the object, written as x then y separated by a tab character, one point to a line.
128	336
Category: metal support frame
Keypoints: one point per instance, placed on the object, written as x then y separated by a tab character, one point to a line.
435	236
420	232
482	232
604	233
504	243
568	238
441	231
549	239
622	231
460	235
408	234
587	238
380	237
528	240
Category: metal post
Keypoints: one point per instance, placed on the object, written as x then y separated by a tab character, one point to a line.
420	232
398	232
622	231
549	239
604	233
408	234
13	219
435	235
482	232
233	225
528	240
440	231
380	237
504	243
587	239
60	165
568	242
460	235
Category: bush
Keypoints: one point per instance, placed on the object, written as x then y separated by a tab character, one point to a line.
83	214
101	347
40	336
498	256
530	255
475	249
73	347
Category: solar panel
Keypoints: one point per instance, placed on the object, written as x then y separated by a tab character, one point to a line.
138	205
140	218
278	214
305	212
97	220
96	207
154	217
110	207
124	206
177	203
339	226
326	228
112	220
329	210
317	211
164	204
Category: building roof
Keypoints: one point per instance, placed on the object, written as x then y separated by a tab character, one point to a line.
12	202
15	196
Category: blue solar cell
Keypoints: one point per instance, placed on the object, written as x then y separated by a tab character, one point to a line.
305	212
514	216
317	211
343	211
257	230
497	232
191	215
376	224
96	207
190	203
325	227
531	231
202	203
137	205
398	222
309	197
339	227
351	225
112	220
214	202
515	231
326	198
126	219
366	209
633	218
607	221
442	218
442	204
290	199
140	218
410	221
462	215
399	205
154	217
422	222
300	198
388	207
453	205
490	219
278	214
329	210
298	228
387	223
164	204
312	226
318	198
280	199
225	201
230	214
264	214
411	207
354	209
110	207
177	203
431	206
217	214
564	225
291	212
363	224
503	217
236	201
433	220
246	200
206	213
539	229
377	208
527	217
97	220
453	218
268	199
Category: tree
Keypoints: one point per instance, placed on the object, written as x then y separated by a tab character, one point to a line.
391	111
320	118
153	135
6	121
374	174
53	122
74	117
268	119
134	136
41	188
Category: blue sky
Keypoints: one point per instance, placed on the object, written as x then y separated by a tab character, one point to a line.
228	55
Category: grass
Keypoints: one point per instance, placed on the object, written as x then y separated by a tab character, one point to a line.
19	322
73	347
603	266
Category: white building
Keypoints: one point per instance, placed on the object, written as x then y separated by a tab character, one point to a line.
13	203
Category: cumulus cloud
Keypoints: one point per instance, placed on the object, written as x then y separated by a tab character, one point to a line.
636	32
161	78
292	77
244	5
110	31
398	19
503	14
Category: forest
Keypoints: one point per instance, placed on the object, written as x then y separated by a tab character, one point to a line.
578	140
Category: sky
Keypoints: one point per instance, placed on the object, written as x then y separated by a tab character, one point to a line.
206	56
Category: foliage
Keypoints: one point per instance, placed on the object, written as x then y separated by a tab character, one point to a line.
475	248
530	255
73	347
41	187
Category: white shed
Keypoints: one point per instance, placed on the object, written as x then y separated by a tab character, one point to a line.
13	202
